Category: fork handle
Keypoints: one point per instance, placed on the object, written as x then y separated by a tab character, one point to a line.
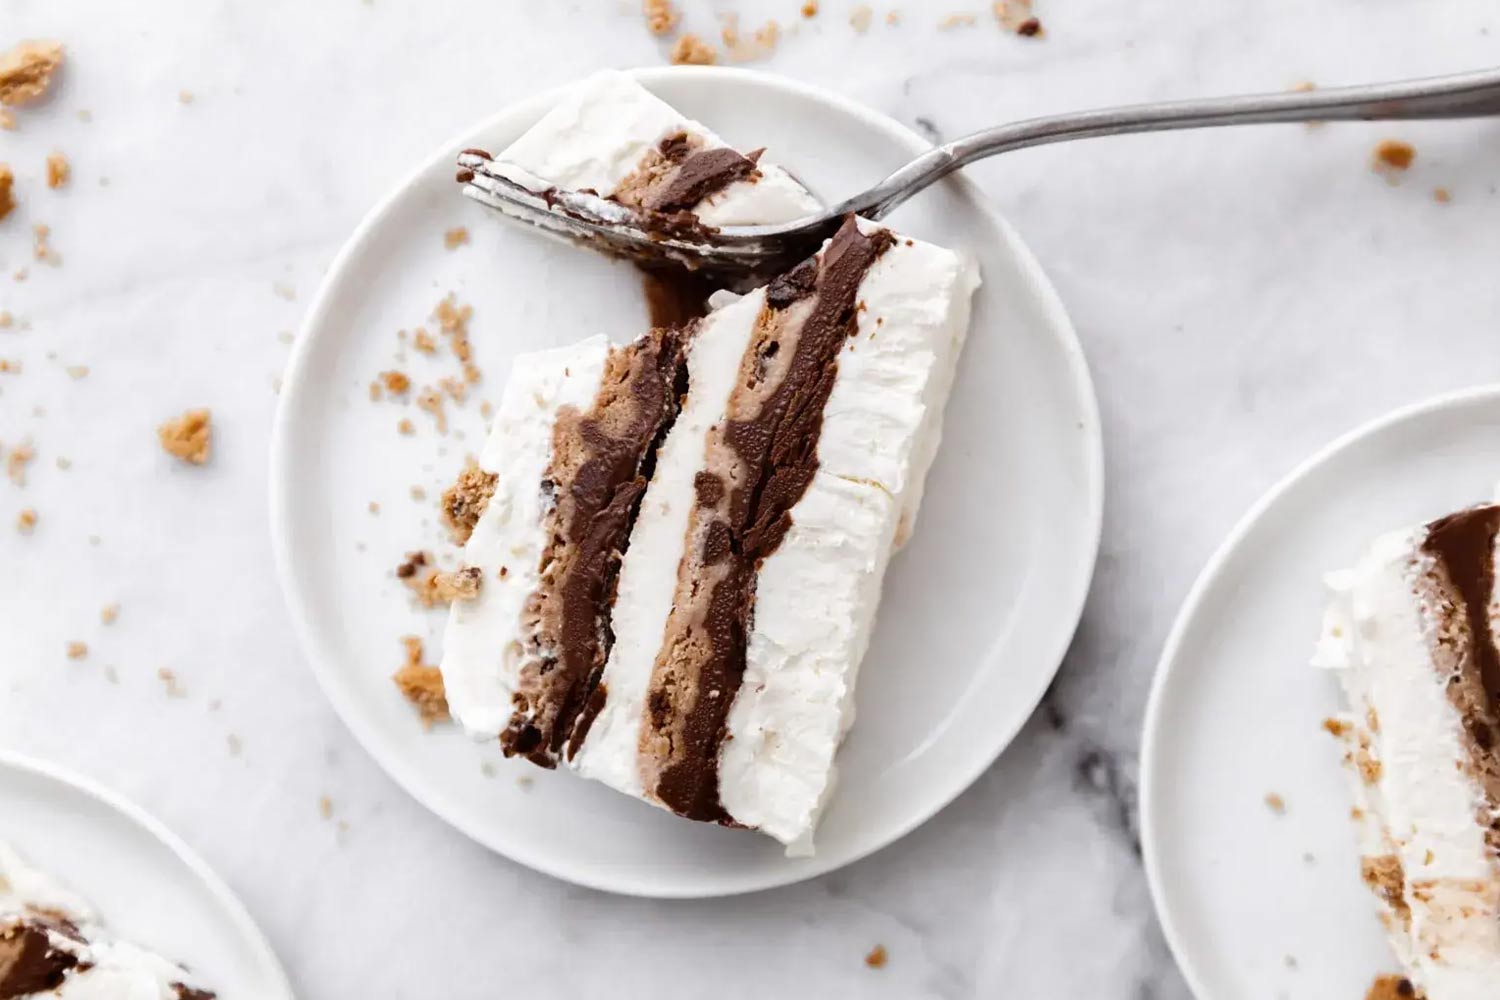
1463	95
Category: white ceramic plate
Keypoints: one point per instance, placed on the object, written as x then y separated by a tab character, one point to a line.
1236	710
978	610
147	886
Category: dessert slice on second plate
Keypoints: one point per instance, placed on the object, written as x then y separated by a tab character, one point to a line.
1411	633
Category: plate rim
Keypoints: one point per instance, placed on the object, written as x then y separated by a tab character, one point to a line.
1169	666
225	897
1060	330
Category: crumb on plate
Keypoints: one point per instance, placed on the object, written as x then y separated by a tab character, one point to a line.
26	71
188	437
661	16
877	957
690	50
58	170
421	683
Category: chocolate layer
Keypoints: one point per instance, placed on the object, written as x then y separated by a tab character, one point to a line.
757	466
1462	546
679	173
600	465
28	962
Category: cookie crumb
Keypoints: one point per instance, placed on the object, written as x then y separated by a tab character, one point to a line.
423	341
956	21
26	521
1392	988
395	381
185	97
6	320
455	238
169	679
109	614
810	9
460	585
26	71
77	650
690	50
188	437
58	170
1392	157
41	248
77	371
325	807
1276	803
7	188
1442	195
661	16
877	957
466	499
405	426
859	18
15	463
374	507
1337	727
421	684
7	121
893	17
431	400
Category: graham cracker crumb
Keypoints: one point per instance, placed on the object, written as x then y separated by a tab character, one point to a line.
405	426
185	97
455	238
374	507
16	462
810	9
1392	157
661	16
188	437
418	493
8	367
6	320
109	614
956	21
466	499
430	400
77	650
1384	876
1337	727
877	957
77	371
690	50
460	585
7	121
1276	803
1392	988
1442	195
1016	16
859	18
395	381
419	576
893	17
325	807
41	249
7	187
26	521
26	71
422	684
58	170
169	679
1303	87
422	341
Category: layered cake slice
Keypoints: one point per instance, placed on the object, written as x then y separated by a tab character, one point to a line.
52	945
697	645
611	137
1411	633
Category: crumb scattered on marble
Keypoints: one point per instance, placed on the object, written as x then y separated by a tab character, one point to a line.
859	18
421	683
423	341
690	50
661	16
16	461
41	245
877	957
185	97
1442	195
1275	803
957	21
455	238
405	426
7	190
77	650
188	437
431	400
169	679
109	614
58	170
26	521
810	9
26	71
1392	157
325	807
77	371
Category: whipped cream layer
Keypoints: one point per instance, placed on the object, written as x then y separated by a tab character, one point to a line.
52	945
607	136
1410	633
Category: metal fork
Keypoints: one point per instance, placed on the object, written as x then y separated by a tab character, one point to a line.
746	254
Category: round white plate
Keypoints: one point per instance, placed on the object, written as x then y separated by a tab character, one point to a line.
146	885
1257	904
978	610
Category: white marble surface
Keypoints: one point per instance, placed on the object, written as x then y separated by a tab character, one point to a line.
1243	297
